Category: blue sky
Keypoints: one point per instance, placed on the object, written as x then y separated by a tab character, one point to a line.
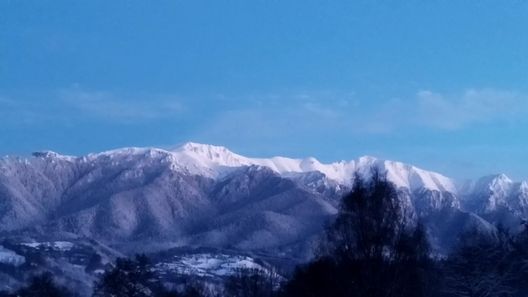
440	84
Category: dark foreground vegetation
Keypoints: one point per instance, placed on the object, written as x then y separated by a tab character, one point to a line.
371	250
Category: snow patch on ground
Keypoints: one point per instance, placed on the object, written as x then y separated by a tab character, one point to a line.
61	246
208	265
10	257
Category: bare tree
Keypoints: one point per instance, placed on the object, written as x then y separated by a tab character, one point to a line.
252	283
369	250
481	268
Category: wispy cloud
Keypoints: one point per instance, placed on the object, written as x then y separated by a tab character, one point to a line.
325	114
22	112
471	107
4	101
71	105
290	117
118	107
293	114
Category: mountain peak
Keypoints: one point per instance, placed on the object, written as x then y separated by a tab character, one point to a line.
45	154
207	159
494	181
210	152
50	155
367	160
495	188
202	148
501	177
309	163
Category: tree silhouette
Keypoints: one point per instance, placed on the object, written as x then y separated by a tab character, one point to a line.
129	278
369	250
43	285
481	267
252	283
370	219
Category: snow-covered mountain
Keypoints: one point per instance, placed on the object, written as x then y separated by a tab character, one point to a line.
204	195
215	160
498	199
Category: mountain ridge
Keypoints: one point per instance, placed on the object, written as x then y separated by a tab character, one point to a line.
204	195
207	155
212	159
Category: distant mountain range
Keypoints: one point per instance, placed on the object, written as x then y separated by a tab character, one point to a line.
148	199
